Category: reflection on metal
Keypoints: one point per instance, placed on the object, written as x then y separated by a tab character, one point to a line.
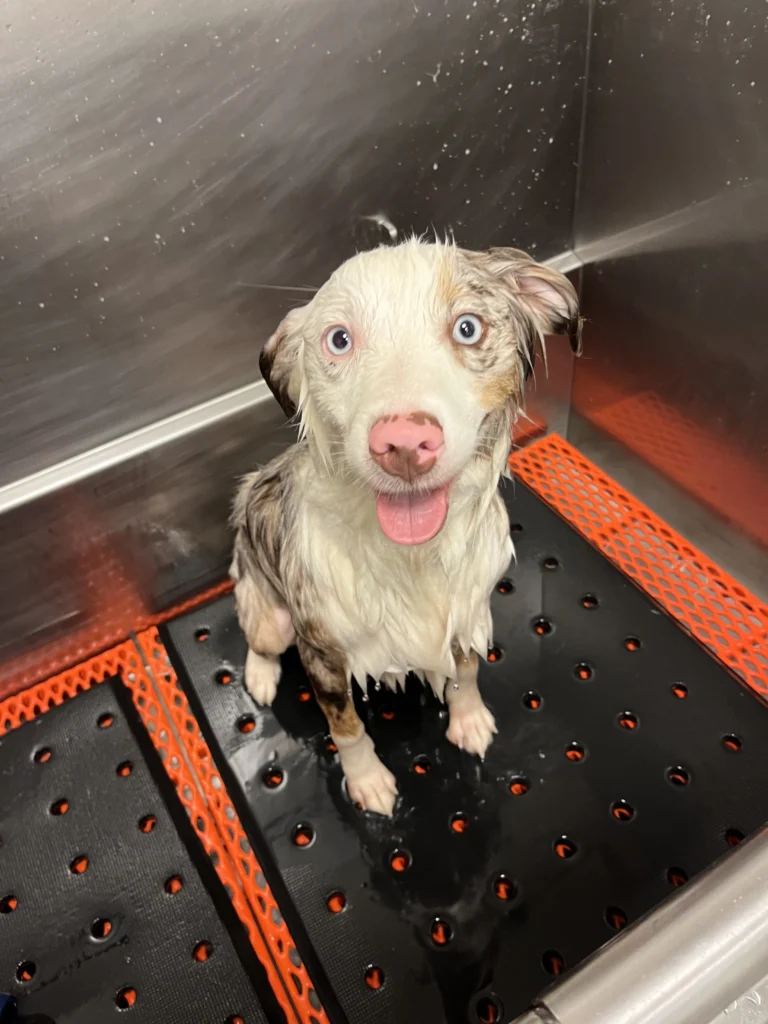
701	957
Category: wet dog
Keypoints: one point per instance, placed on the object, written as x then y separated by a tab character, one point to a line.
374	544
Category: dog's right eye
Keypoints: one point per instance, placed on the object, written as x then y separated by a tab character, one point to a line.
338	341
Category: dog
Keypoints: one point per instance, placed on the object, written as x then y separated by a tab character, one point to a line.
375	542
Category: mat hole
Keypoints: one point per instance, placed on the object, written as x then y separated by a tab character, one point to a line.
495	654
336	902
273	777
589	601
678	775
733	837
202	634
575	752
616	918
43	755
79	865
387	713
26	971
515	528
532	700
303	835
422	764
148	823
487	1010
8	904
124	769
632	643
223	677
583	671
105	721
628	720
677	877
330	746
504	888
60	807
553	962
126	998
101	929
622	811
235	1019
519	786
400	860
679	690
505	586
542	626
565	848
203	951
374	977
459	822
550	564
173	885
732	742
246	723
440	932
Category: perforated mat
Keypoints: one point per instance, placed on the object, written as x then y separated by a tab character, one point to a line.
109	908
627	760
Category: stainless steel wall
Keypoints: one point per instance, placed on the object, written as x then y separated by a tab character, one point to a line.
673	217
171	177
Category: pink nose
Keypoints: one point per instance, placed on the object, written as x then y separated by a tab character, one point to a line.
406	446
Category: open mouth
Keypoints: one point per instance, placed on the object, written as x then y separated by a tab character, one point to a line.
412	518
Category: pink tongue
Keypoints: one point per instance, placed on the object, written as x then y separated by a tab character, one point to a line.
412	518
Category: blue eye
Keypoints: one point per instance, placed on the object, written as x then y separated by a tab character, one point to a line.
339	341
468	329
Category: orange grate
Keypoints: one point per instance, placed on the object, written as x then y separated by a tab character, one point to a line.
715	609
144	668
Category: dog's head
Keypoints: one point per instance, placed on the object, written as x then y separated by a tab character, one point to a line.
408	365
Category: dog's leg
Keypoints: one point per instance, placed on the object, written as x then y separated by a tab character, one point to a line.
269	631
369	783
471	726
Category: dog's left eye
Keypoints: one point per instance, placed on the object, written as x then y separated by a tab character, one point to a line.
338	341
468	329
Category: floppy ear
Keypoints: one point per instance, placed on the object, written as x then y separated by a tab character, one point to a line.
281	364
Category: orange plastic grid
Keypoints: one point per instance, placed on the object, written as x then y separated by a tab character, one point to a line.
144	668
719	612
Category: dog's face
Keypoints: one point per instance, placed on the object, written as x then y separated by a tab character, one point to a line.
409	363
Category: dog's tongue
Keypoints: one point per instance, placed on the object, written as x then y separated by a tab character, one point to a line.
412	518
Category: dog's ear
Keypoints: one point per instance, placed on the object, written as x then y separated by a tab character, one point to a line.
546	296
281	364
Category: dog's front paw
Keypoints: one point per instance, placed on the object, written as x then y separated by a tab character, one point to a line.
376	790
261	677
471	728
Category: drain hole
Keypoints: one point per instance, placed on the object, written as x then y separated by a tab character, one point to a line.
616	918
330	746
303	835
542	626
304	695
632	643
148	824
60	807
174	885
101	929
677	877
25	972
519	786
679	776
622	811
79	865
441	932
583	671
400	860
104	721
246	723
460	822
733	837
273	777
575	752
8	904
504	888
387	713
374	977
589	601
553	962
43	755
202	634
422	764
336	902
565	848
124	769
203	951
732	742
223	677
235	1019
505	586
487	1010
550	564
532	701
495	654
679	690
125	998
515	528
628	720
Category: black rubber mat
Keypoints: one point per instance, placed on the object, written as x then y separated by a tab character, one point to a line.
109	908
627	760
